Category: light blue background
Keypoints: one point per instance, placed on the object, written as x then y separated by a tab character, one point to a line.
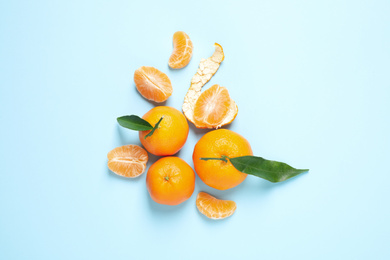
311	80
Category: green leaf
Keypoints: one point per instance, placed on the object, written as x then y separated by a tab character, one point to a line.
134	122
154	128
270	170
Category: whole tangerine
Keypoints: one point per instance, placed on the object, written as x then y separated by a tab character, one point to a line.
171	134
220	174
170	181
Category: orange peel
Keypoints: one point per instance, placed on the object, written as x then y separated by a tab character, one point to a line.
207	68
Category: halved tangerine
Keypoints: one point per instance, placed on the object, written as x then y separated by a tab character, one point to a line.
212	107
182	51
153	84
128	160
214	208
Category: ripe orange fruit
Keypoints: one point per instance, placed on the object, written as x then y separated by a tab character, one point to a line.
214	208
182	51
170	181
211	107
153	84
171	134
128	160
216	173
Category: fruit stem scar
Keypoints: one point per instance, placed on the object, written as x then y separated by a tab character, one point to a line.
166	178
154	128
223	158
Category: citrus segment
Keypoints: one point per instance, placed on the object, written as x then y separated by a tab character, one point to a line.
214	208
182	51
128	160
153	84
170	181
207	68
211	107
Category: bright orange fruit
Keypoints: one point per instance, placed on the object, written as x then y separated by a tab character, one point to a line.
153	84
212	107
182	51
128	160
170	181
171	134
216	173
214	208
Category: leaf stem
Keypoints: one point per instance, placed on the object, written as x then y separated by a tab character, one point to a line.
154	128
223	158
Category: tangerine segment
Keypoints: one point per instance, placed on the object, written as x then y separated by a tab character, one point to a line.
182	51
170	181
212	107
153	84
207	68
128	160
214	208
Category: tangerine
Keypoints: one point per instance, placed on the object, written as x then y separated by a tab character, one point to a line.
170	181
220	174
171	134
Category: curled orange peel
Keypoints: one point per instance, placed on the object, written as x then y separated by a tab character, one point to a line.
207	68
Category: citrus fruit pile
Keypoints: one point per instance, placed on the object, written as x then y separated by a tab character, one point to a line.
222	158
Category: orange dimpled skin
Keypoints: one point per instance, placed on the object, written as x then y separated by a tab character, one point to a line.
170	181
128	160
182	51
153	84
216	173
171	134
214	208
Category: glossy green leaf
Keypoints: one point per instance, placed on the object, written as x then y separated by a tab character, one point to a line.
272	171
154	128
134	122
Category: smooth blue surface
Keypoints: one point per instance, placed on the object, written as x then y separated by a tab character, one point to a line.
311	80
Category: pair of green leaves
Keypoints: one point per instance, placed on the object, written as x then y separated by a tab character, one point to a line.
272	171
136	123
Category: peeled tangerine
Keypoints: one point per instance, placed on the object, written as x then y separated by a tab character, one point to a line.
213	108
128	160
214	208
182	51
153	84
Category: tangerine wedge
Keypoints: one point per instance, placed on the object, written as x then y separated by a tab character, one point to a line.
153	84
128	160
212	107
182	51
214	208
